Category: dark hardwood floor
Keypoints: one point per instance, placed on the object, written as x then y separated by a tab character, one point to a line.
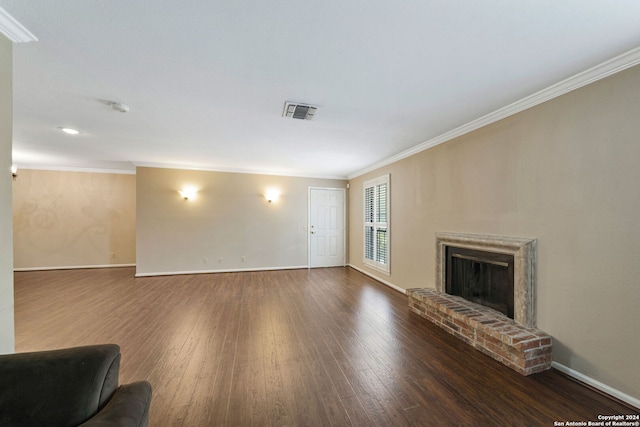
315	347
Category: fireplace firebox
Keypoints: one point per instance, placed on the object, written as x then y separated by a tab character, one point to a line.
482	277
523	252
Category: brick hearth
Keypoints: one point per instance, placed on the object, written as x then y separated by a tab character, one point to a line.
525	350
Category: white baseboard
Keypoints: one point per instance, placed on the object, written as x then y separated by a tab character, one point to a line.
389	284
630	400
232	270
73	267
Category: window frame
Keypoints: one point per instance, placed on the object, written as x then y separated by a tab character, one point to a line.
376	225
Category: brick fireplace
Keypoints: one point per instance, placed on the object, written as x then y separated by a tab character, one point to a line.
514	342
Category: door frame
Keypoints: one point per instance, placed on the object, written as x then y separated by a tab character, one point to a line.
344	222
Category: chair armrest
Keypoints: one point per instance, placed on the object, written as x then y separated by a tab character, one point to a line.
57	387
129	407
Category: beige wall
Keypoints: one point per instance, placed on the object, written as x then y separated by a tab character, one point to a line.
229	219
566	172
7	340
73	219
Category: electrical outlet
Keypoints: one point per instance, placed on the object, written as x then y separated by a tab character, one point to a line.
113	255
220	260
242	259
205	260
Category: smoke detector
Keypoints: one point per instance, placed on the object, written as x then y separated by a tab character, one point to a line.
117	106
123	108
296	110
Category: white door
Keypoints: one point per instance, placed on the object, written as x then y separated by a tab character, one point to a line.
326	227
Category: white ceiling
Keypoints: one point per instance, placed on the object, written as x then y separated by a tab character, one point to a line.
206	80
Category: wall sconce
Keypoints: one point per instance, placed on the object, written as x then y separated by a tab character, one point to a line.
272	195
188	193
14	172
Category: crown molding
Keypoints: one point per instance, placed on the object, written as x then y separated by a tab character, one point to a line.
14	30
236	170
600	71
22	166
59	168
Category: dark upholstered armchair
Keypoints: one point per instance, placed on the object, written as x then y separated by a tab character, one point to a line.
70	387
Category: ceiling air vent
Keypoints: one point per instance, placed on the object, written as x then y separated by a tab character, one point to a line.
299	111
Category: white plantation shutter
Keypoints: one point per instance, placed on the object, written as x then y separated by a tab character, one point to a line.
368	243
376	223
381	245
369	204
381	203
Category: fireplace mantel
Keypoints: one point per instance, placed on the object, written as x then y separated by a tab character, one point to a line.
524	254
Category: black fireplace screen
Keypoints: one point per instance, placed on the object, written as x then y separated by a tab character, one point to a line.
481	277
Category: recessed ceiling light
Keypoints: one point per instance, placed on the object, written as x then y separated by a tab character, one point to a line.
69	131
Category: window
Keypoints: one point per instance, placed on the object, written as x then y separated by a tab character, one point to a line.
376	223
